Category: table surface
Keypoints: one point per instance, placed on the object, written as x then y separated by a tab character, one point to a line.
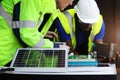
73	73
111	70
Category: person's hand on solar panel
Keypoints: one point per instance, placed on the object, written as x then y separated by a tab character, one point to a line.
61	45
65	46
51	34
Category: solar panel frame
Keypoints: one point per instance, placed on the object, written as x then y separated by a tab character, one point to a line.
57	68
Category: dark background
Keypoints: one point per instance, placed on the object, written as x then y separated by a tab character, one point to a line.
110	9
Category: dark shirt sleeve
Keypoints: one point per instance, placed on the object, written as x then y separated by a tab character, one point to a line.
56	45
61	32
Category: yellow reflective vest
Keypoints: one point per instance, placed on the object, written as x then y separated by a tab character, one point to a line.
69	27
19	23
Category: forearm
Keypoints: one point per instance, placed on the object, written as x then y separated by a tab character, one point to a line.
98	41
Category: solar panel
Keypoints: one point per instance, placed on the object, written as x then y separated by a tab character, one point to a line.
40	60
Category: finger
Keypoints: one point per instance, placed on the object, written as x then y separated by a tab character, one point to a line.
114	60
102	57
52	33
110	60
55	35
49	36
64	46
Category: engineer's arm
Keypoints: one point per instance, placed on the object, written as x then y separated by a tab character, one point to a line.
28	32
99	40
63	36
99	37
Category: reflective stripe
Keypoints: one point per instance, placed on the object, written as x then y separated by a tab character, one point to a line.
6	16
16	24
40	44
39	22
69	17
21	24
92	36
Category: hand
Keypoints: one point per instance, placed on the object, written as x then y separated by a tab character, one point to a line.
51	34
118	54
109	59
65	46
69	43
103	59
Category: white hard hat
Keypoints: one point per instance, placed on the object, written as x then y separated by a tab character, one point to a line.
87	11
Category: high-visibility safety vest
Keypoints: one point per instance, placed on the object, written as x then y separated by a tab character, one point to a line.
19	23
96	27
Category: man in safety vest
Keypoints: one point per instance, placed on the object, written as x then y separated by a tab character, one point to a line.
86	26
19	24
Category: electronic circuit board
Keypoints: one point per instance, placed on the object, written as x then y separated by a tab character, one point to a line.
82	60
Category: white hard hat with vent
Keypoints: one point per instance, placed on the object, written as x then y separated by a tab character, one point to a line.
87	11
